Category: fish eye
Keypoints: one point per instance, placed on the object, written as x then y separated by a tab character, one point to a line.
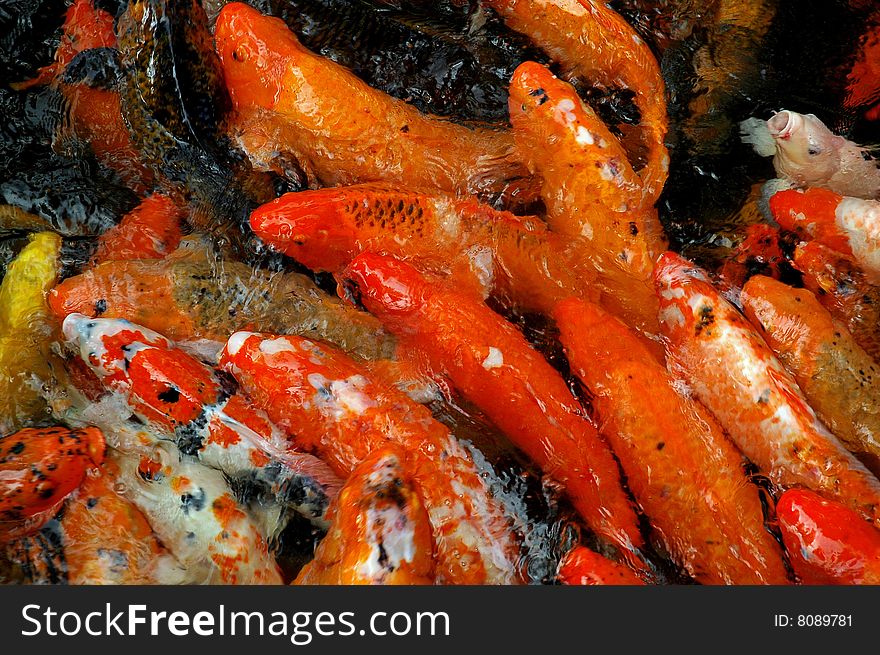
813	151
240	54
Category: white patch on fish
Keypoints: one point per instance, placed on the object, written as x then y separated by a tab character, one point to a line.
276	346
583	136
566	107
671	316
495	359
236	341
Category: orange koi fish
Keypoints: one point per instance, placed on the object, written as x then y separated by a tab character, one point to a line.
850	226
582	566
735	374
99	538
827	542
339	129
590	190
682	470
149	231
192	297
837	376
518	257
331	405
39	467
379	529
85	27
185	400
592	42
844	290
494	367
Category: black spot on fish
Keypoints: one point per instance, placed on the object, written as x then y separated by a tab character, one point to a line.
170	395
18	448
633	228
100	307
706	319
383	557
228	385
91	502
661	445
189	437
193	502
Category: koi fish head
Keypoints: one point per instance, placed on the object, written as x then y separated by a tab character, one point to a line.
528	87
307	226
806	150
674	270
830	272
388	286
107	345
534	88
253	50
685	293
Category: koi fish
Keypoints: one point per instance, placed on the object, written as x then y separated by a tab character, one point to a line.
339	129
850	226
379	532
582	566
516	256
806	152
184	400
24	331
331	405
682	470
590	190
827	542
150	231
90	86
85	27
39	467
494	367
837	376
195	515
735	374
844	290
99	538
175	103
591	41
192	297
759	253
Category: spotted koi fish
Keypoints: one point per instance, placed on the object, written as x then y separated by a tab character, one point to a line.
39	467
736	375
332	406
190	404
489	250
196	516
379	533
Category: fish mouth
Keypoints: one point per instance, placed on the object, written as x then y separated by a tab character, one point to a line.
782	124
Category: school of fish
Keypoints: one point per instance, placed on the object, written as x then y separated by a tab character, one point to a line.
169	411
